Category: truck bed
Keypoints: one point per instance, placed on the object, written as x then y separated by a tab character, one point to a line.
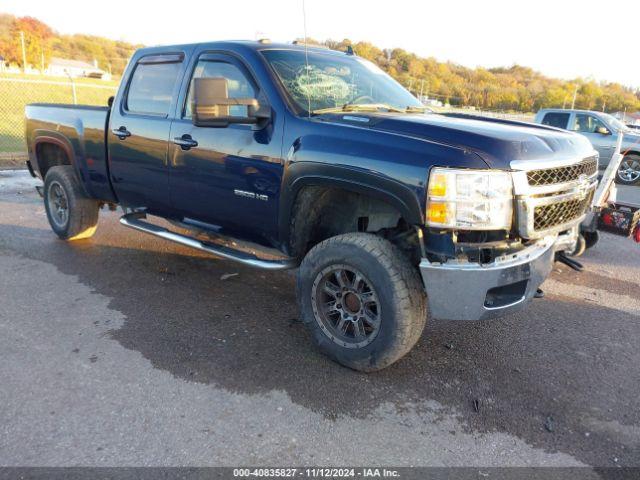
79	130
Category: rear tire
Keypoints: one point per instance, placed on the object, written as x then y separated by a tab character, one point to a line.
71	214
362	301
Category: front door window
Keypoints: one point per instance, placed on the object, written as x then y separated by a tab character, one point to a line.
587	124
238	85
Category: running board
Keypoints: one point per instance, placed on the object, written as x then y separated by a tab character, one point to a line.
134	220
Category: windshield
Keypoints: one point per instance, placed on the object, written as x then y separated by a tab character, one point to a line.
332	81
615	123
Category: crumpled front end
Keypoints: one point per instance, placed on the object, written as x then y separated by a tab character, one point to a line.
493	276
460	290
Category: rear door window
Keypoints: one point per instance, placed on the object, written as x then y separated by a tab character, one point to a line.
556	119
152	86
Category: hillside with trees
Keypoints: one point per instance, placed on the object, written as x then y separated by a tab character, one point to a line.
514	88
42	43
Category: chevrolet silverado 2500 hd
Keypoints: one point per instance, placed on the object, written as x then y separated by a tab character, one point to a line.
319	156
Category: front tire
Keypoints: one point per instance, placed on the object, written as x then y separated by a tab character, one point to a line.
362	301
629	170
71	214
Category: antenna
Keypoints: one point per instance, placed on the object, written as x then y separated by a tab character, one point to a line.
306	54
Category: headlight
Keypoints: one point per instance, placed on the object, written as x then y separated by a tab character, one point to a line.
469	199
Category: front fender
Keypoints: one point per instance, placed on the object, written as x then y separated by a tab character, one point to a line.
385	165
305	174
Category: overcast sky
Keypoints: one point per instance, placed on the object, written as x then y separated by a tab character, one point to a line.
562	38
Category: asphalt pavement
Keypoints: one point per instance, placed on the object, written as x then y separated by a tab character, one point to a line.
128	350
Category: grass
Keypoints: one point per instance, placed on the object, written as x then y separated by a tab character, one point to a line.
16	91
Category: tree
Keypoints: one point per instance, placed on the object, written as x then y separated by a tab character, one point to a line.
37	41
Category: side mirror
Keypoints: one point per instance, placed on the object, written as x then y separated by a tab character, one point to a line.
603	131
210	105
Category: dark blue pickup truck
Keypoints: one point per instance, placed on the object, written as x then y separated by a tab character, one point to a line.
317	159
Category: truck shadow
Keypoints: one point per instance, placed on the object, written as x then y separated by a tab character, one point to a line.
556	360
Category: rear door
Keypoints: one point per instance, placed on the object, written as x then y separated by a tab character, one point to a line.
232	177
139	132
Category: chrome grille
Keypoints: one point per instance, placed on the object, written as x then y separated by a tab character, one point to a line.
553	176
554	214
552	198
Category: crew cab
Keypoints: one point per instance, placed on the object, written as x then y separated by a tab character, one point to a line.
602	130
315	159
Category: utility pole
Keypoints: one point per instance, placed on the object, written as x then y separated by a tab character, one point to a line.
575	94
24	53
42	62
421	89
73	88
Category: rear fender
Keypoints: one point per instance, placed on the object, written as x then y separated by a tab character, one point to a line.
54	138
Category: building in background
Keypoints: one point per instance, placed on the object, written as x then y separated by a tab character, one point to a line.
62	67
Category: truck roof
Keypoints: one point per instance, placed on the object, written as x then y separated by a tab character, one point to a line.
256	45
567	110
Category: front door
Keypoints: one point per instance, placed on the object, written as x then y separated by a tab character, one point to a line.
588	126
232	177
139	132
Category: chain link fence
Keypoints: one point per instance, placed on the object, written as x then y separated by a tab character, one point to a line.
16	91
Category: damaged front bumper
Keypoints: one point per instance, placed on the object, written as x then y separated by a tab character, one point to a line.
459	290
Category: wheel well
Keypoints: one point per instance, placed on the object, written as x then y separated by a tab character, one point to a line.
50	155
321	212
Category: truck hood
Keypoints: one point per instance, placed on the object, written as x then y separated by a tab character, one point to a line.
497	142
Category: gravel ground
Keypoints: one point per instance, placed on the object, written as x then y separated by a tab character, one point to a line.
127	350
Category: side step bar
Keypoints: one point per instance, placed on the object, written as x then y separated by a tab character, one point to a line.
134	220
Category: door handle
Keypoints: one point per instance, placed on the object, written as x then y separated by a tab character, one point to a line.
121	132
185	142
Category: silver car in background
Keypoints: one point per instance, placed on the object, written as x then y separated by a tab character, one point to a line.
602	130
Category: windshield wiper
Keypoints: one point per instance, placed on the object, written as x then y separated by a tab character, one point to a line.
361	107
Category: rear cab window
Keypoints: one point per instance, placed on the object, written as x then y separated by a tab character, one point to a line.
152	84
556	119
